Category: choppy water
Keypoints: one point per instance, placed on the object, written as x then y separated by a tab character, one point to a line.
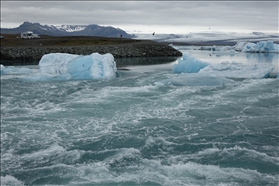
127	131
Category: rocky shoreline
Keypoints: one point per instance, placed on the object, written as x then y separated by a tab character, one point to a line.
25	55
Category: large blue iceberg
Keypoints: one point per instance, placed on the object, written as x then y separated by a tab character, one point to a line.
63	66
261	47
188	64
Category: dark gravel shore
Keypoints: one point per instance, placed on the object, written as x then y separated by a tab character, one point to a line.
35	53
18	51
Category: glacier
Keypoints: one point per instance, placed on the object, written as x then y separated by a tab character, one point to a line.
240	46
64	66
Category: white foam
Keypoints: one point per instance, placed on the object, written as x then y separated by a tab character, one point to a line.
154	171
124	153
238	70
10	181
196	79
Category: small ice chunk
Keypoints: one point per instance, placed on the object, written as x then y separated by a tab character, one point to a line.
188	64
11	70
2	69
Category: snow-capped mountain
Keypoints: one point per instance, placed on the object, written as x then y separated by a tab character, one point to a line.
68	30
71	28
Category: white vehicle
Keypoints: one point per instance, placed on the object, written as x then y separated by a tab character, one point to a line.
29	35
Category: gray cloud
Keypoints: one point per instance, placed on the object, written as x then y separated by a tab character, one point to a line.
234	15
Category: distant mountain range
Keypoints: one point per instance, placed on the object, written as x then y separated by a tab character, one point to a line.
68	30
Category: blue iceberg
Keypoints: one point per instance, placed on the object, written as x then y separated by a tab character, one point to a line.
63	66
11	70
262	47
188	64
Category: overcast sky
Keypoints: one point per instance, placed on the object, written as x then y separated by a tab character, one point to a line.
176	17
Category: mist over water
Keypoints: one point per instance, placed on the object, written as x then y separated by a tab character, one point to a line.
129	131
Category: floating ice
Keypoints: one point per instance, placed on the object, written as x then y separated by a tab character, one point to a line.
262	46
223	50
188	64
238	70
2	69
60	66
11	70
196	79
244	46
55	63
239	45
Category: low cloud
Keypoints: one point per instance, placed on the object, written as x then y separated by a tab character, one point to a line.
258	16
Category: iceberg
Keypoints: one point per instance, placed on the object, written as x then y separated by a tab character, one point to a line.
196	79
55	63
238	70
240	45
218	50
2	68
11	70
262	46
188	64
63	66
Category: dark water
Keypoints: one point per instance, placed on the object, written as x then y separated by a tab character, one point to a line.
128	131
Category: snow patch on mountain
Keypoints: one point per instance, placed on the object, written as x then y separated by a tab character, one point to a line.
70	28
